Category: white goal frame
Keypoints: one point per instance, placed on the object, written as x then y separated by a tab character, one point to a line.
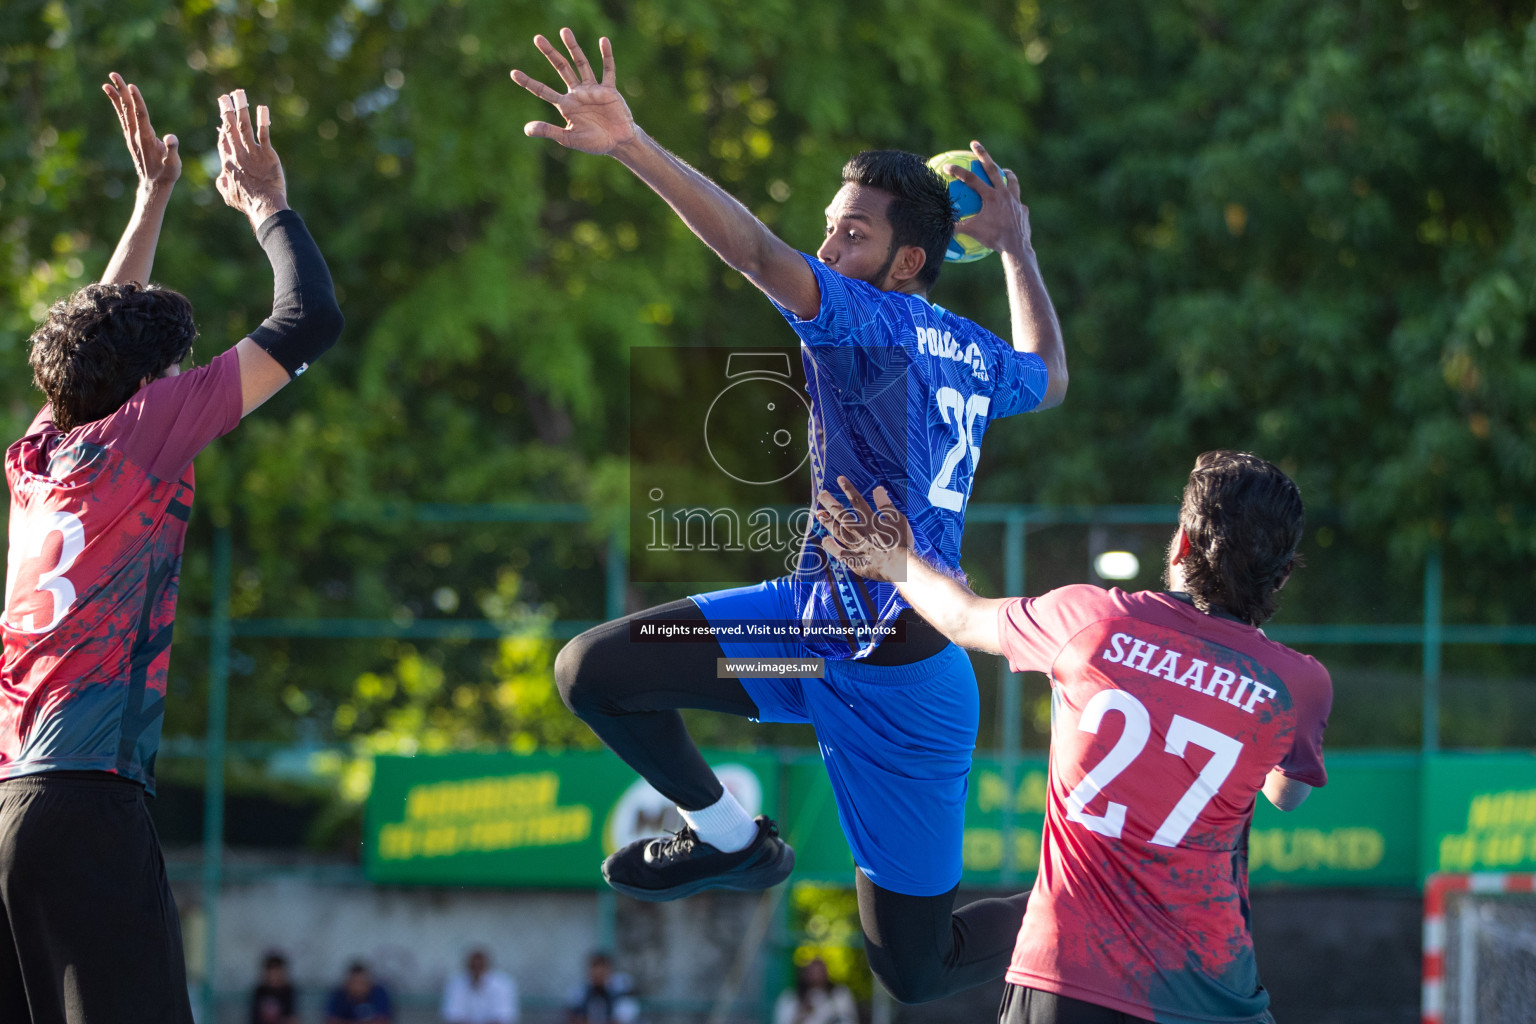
1436	888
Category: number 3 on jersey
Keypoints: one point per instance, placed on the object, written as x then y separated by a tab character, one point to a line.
21	610
961	413
1138	728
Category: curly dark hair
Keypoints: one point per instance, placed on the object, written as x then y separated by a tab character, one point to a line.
1244	520
921	212
96	346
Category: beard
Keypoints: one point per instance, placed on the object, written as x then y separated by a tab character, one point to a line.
878	277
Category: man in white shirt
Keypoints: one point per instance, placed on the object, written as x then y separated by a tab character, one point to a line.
479	995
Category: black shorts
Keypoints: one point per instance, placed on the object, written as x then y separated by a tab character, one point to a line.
1032	1006
88	926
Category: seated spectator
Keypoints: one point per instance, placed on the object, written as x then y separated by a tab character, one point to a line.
272	1000
608	997
479	995
815	1000
359	998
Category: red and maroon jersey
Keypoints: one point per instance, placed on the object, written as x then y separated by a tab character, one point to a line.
98	519
1165	722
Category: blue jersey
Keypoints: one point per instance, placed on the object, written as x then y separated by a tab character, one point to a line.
901	394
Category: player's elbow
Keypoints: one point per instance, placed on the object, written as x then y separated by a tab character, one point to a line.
975	632
325	322
745	252
750	258
1056	390
314	331
1286	794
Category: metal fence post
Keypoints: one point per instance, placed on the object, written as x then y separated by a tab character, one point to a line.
607	919
1434	640
213	789
617	570
1013	691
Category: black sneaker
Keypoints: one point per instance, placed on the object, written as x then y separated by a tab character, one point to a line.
657	870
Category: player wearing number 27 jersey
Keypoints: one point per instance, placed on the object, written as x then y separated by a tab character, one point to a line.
1170	712
1165	723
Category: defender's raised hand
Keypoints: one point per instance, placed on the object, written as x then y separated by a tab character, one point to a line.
1003	223
872	542
251	178
597	120
157	160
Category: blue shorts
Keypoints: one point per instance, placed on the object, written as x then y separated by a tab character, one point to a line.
896	740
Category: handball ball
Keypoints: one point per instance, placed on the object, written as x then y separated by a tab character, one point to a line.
962	247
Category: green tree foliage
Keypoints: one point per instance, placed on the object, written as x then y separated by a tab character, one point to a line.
1303	227
414	706
1306	233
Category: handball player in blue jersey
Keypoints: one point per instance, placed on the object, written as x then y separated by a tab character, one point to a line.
896	384
101	491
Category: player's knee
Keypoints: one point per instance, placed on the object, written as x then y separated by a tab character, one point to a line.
568	676
907	989
907	983
575	677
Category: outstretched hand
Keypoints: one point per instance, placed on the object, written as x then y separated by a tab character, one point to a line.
250	176
1003	223
597	120
157	160
875	542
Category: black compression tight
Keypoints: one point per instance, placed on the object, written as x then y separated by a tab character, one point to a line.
629	693
921	948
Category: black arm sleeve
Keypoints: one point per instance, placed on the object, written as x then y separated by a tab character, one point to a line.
305	319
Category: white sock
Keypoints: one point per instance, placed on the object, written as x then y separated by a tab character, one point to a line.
724	824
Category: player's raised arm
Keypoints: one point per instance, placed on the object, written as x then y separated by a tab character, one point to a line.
1003	225
598	120
305	319
158	163
877	543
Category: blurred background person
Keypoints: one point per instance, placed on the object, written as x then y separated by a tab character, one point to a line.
359	998
815	999
480	995
272	1001
607	996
